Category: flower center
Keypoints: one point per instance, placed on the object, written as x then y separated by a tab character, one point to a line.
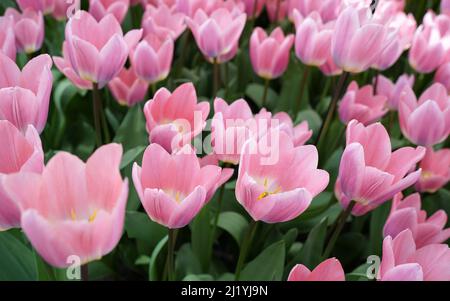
269	189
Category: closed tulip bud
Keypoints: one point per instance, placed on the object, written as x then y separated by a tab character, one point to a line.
61	9
276	10
127	88
253	8
393	91
28	29
435	170
328	270
163	21
328	9
100	8
427	50
44	6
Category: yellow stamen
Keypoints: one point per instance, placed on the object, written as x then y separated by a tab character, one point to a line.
93	216
263	195
426	175
265	182
177	196
73	215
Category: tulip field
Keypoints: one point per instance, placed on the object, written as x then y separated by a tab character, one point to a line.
224	140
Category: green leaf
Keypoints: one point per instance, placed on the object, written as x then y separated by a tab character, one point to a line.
290	237
131	132
314	120
186	262
131	155
233	223
200	237
359	274
267	266
200	277
155	264
148	233
377	220
17	260
256	93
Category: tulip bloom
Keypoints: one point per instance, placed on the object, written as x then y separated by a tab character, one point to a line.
173	188
264	187
329	270
218	33
406	214
276	10
369	173
44	6
426	121
61	9
427	50
253	8
435	170
328	9
445	7
163	21
362	105
270	54
152	58
98	51
25	95
19	153
443	76
28	29
7	37
174	119
100	8
393	91
127	88
358	41
76	208
403	261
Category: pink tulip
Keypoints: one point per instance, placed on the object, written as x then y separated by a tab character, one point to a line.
403	261
62	9
44	6
362	104
7	37
328	9
393	91
358	41
163	21
100	8
406	214
19	153
312	39
330	68
427	50
173	188
98	51
276	10
25	95
266	190
328	270
28	29
445	7
270	54
152	58
369	173
443	76
218	33
427	121
76	208
174	119
406	25
435	170
253	8
127	88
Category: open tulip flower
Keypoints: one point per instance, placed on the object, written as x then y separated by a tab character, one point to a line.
127	88
393	91
28	29
44	6
329	270
163	21
100	8
435	170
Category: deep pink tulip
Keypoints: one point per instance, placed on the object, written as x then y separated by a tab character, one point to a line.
253	8
328	270
127	88
218	33
7	37
98	51
173	119
76	208
28	29
266	190
18	153
435	170
427	50
100	8
173	188
270	54
406	214
44	6
25	95
362	104
369	172
276	10
393	91
152	58
443	76
62	9
426	121
358	41
163	21
328	9
403	261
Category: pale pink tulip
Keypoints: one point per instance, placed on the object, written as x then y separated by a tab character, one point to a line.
445	7
406	214
100	8
253	8
7	37
328	270
362	104
328	9
28	29
276	10
218	33
163	21
44	6
127	88
98	51
152	58
330	68
435	170
403	261
426	121
427	50
62	9
25	95
270	54
406	26
173	188
370	173
266	190
18	153
393	91
174	119
443	76
76	208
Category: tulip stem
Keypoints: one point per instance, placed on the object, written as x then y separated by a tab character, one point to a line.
85	272
332	108
302	89
216	71
266	89
216	220
170	254
245	247
97	103
337	228
391	121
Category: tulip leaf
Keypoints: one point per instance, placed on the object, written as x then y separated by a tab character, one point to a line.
314	120
16	260
233	223
186	262
200	277
131	132
131	155
147	233
155	264
201	237
256	93
377	220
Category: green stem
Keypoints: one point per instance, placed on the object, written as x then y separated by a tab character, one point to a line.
97	103
302	88
85	272
153	89
170	254
245	247
339	225
266	89
216	71
391	121
216	220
